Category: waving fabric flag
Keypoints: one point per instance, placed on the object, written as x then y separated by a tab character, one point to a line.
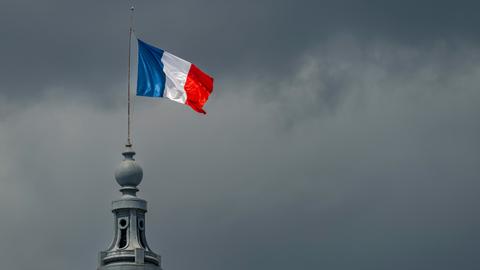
162	74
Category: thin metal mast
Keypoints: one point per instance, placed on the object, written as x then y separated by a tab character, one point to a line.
129	138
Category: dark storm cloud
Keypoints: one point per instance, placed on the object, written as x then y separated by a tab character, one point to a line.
340	135
387	181
83	43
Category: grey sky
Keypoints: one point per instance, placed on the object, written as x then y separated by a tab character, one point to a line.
340	135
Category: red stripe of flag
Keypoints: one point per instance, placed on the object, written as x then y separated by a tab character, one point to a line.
198	87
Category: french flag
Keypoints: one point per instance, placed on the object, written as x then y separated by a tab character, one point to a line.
162	74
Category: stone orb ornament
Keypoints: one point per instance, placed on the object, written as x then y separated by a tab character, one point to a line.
129	173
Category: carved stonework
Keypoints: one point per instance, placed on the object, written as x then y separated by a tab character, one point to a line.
129	248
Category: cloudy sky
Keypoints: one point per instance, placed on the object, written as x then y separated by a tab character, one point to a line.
340	135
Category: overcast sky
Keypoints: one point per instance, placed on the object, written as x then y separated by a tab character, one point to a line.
340	134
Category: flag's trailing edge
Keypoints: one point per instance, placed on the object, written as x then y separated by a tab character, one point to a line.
162	74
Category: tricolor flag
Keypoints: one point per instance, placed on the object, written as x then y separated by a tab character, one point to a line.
162	74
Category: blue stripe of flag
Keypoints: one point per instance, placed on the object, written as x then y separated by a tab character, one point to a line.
151	78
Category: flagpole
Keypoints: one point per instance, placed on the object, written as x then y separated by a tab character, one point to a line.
129	138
